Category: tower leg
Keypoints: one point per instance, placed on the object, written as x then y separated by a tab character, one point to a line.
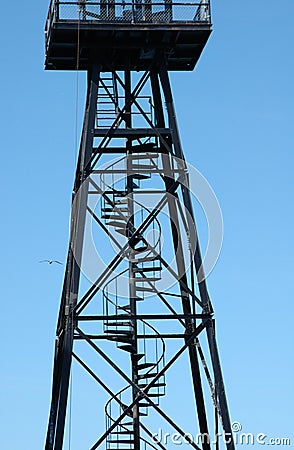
66	322
180	261
219	383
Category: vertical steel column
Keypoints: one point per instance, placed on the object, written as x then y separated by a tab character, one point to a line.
169	178
219	383
63	356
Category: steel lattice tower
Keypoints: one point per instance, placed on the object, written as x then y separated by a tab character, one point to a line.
132	187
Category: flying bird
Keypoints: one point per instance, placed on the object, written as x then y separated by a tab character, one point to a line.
50	261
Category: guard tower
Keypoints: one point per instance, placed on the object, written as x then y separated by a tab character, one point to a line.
134	291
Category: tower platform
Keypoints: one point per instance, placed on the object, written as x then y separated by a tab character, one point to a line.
117	32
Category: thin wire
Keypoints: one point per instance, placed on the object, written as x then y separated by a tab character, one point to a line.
75	160
77	88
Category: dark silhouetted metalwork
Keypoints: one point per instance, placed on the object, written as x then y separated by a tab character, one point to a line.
146	297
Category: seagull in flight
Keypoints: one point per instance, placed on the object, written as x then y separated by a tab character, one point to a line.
50	261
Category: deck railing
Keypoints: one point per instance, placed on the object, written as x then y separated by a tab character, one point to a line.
158	12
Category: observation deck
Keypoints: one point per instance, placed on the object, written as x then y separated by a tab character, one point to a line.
121	34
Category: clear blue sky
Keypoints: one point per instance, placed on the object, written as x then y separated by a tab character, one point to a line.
239	104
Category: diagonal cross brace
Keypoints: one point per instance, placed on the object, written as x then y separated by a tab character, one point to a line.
121	255
142	393
112	394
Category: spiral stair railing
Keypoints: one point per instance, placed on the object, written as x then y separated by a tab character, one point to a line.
115	212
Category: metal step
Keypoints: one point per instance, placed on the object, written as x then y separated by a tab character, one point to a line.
155	394
127	348
142	249
121	231
106	114
143	156
145	289
118	324
157	385
123	432
124	307
114	223
140	176
118	339
139	356
120	441
147	375
143	167
106	98
145	365
139	248
126	332
146	259
114	216
117	193
145	280
115	209
147	269
123	201
118	447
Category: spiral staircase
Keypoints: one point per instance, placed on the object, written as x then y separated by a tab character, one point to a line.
120	211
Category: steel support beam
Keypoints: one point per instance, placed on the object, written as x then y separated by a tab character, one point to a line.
157	133
66	324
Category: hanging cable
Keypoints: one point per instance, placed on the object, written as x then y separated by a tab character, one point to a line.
77	88
75	161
